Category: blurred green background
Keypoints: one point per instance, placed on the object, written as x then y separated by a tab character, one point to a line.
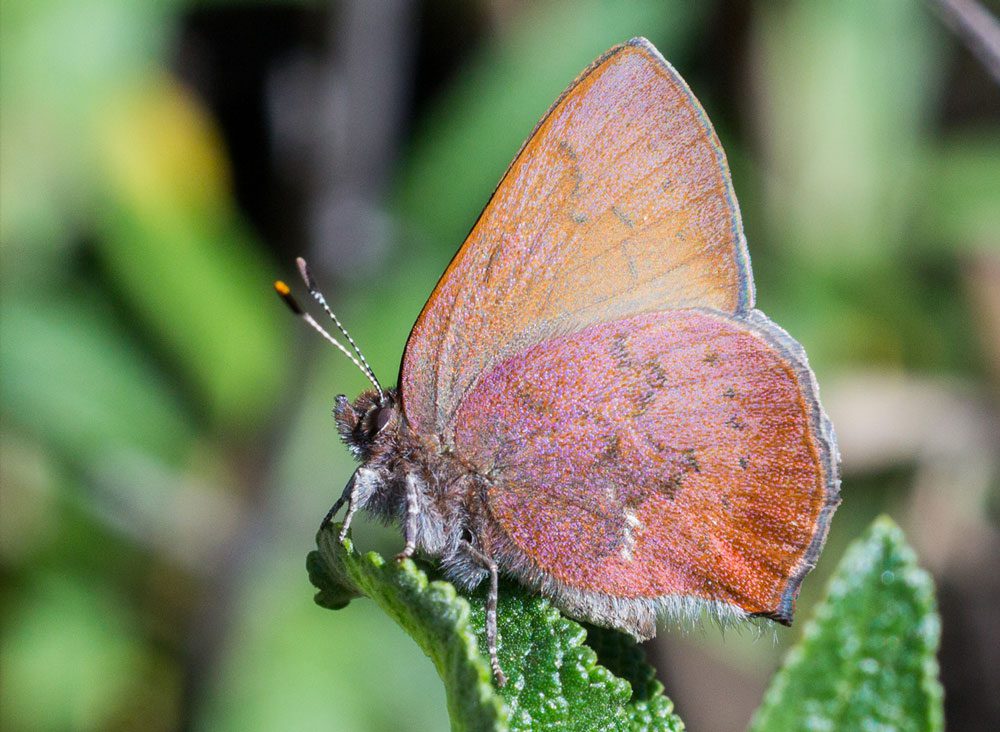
167	445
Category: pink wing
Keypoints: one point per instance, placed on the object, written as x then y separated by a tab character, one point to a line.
680	453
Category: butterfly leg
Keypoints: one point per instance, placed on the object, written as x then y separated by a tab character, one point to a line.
412	514
345	497
363	484
352	505
491	609
356	493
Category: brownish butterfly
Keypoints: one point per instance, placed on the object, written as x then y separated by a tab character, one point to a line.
589	401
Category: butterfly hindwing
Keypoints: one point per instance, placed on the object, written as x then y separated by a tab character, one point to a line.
672	454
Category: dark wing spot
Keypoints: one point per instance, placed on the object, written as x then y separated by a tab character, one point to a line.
619	351
611	452
744	463
570	153
656	377
729	393
735	423
691	461
623	217
643	404
670	486
711	357
488	268
630	260
568	149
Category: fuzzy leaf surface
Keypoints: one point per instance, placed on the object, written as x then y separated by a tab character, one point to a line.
554	678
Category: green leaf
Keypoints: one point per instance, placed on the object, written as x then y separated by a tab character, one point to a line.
554	680
867	660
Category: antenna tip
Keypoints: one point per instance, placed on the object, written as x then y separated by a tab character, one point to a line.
306	273
286	295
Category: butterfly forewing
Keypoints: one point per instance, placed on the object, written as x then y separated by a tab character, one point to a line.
619	203
680	453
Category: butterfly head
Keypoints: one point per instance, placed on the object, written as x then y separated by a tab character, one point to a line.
373	419
369	422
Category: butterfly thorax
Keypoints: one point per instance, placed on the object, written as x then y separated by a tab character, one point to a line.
403	478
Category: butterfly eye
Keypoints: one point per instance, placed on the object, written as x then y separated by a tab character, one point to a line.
383	417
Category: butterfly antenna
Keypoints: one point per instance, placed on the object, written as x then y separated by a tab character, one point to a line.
318	297
286	295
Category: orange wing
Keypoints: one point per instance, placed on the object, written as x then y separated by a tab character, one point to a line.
619	203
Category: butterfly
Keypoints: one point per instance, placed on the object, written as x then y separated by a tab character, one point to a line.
589	402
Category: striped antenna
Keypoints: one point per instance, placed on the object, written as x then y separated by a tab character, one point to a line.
318	297
285	293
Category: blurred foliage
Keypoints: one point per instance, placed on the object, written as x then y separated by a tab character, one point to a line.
848	95
868	659
99	142
63	637
166	452
554	681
